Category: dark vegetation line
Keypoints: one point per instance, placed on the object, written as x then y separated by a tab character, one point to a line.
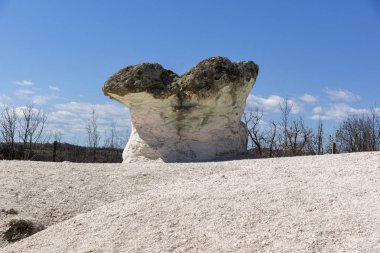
23	137
63	152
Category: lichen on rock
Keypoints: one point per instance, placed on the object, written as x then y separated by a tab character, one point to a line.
192	117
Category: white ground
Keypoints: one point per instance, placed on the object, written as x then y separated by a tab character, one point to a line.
325	203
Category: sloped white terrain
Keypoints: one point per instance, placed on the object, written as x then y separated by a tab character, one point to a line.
327	203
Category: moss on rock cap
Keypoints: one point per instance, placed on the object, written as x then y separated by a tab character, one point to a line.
203	80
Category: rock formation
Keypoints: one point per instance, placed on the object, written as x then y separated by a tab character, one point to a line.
188	118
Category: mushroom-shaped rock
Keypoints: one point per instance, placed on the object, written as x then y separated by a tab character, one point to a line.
189	118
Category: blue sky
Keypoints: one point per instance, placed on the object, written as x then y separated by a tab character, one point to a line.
322	55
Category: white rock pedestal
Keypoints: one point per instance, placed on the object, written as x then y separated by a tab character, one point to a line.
189	118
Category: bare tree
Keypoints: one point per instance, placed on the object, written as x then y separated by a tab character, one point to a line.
375	128
271	138
8	127
57	136
255	134
298	136
329	145
315	144
112	139
31	128
320	138
122	139
359	133
285	108
93	136
262	137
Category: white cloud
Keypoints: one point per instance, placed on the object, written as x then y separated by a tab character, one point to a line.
71	119
307	98
32	97
377	111
24	83
24	92
53	88
41	100
271	104
19	110
341	95
336	112
317	110
5	100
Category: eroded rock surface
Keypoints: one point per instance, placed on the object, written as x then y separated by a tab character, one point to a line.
193	117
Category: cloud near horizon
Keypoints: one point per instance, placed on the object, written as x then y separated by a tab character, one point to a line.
53	88
24	83
32	98
307	98
24	92
5	100
271	104
341	95
336	112
41	99
72	118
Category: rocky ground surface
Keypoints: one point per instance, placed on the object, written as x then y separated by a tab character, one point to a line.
327	203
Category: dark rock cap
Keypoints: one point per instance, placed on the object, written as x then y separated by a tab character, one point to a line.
203	80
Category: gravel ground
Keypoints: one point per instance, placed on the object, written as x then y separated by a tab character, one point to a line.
325	203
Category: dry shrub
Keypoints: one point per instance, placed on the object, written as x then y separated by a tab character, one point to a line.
10	211
20	229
